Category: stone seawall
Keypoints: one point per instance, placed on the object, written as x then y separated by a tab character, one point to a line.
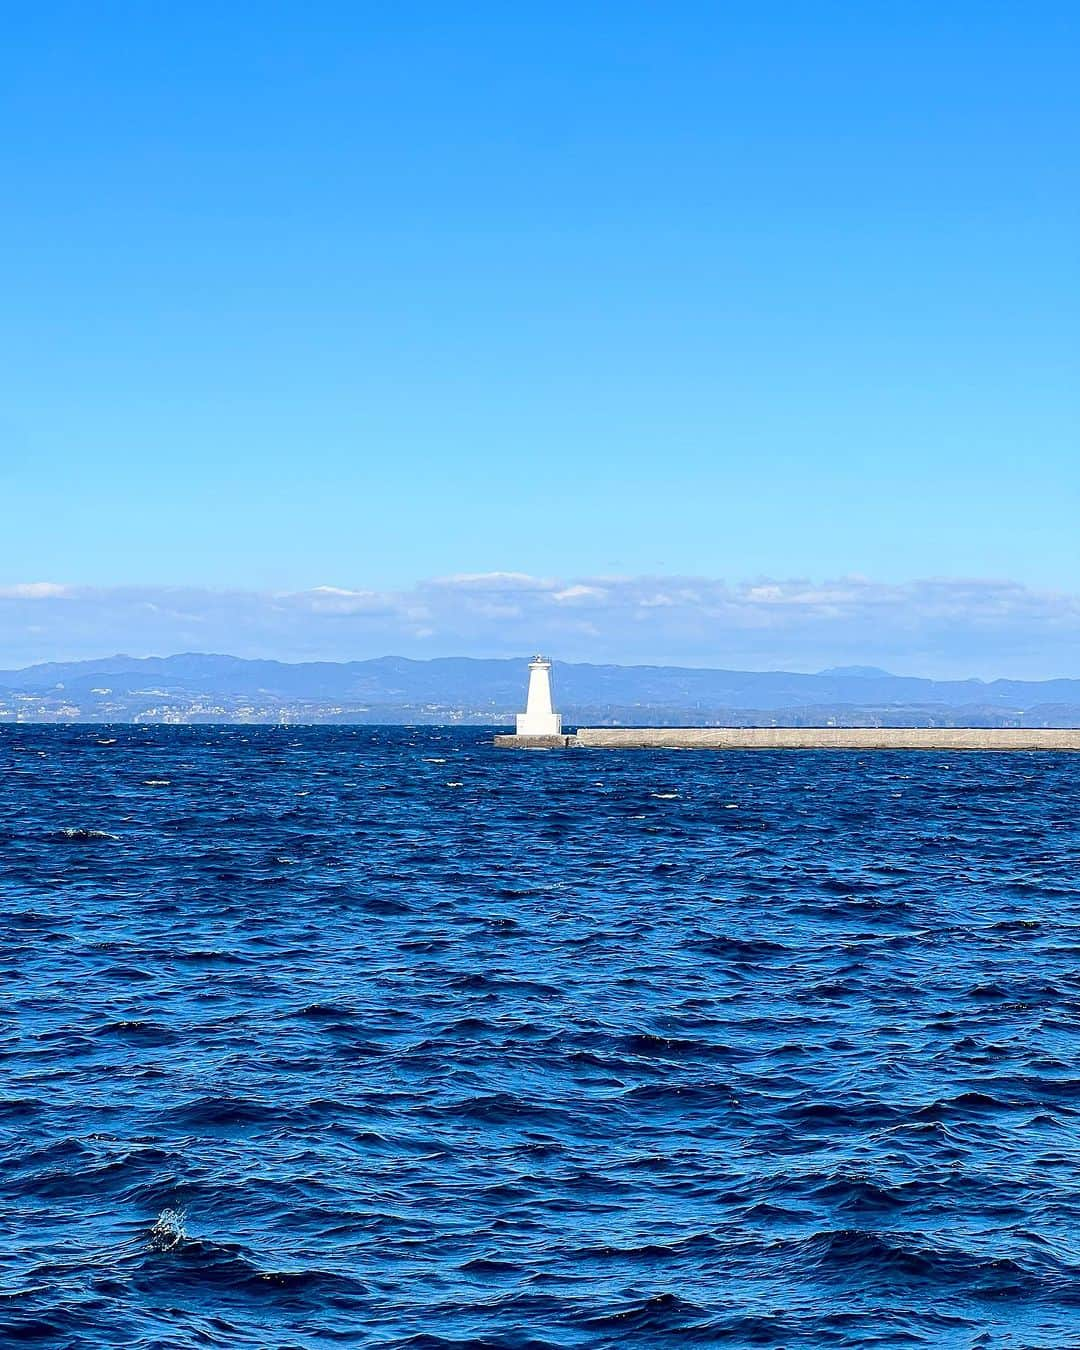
802	738
509	741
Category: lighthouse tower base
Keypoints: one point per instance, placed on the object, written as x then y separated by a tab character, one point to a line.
538	724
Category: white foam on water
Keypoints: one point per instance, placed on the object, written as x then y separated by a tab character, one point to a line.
168	1231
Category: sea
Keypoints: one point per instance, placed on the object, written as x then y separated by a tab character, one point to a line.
353	1036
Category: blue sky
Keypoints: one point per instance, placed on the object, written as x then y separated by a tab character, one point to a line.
362	296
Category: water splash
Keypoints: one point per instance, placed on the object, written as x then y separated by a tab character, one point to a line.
168	1231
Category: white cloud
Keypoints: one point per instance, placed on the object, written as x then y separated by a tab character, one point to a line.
932	626
493	581
579	592
35	590
338	600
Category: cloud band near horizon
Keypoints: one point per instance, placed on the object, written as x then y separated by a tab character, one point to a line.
940	627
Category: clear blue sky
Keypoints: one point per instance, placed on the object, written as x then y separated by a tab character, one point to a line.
360	294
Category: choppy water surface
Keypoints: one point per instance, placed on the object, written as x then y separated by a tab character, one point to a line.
383	1037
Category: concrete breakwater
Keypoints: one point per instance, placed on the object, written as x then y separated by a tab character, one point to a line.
801	738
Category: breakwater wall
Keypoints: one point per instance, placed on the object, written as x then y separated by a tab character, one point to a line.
802	738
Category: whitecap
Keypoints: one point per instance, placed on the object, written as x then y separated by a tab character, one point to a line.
168	1231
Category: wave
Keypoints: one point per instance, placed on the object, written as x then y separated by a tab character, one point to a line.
540	1063
233	1268
664	1314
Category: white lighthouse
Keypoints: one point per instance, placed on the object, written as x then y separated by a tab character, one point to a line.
539	718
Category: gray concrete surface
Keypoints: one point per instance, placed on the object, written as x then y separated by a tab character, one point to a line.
511	742
802	738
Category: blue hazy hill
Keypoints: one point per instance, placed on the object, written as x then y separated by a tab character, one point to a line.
200	686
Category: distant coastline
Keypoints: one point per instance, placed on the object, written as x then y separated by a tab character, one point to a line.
197	688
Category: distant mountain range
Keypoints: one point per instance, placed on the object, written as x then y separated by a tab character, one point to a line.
205	688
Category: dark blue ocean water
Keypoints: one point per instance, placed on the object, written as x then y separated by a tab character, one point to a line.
384	1037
